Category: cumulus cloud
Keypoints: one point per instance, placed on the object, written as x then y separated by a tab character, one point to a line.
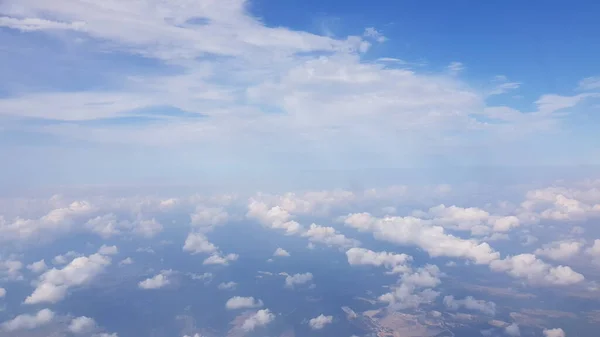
238	302
11	269
53	284
512	330
2	292
560	250
82	325
65	258
415	231
28	322
206	218
297	279
196	243
126	261
274	217
227	285
328	236
536	271
557	332
397	263
38	266
281	252
258	319
157	281
470	303
108	250
147	228
415	288
220	259
320	322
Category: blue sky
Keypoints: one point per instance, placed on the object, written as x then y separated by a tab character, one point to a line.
149	90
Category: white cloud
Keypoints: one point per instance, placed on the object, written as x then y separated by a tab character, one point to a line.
281	252
535	271
557	332
28	322
11	269
126	261
470	303
560	250
220	259
196	243
275	217
38	266
227	285
594	250
157	281
52	285
206	277
238	302
147	228
512	330
82	325
108	250
320	322
65	258
415	231
414	289
589	83
258	319
297	279
208	217
2	292
329	236
397	263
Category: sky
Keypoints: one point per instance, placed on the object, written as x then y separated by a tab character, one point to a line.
169	91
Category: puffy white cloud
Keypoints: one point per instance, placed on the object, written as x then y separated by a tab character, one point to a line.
410	292
470	303
557	332
28	322
275	217
258	319
126	261
107	225
560	250
2	292
82	325
227	285
536	271
297	279
108	250
54	283
320	322
238	302
281	252
38	266
65	258
594	250
196	243
220	259
397	263
512	330
157	281
329	236
206	277
415	231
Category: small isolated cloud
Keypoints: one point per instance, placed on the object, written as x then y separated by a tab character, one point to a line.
11	269
82	325
320	322
220	259
227	285
238	302
297	279
374	34
147	228
558	332
157	281
28	322
108	250
455	67
281	252
2	292
470	303
197	243
513	330
395	262
329	236
258	319
206	277
126	261
38	267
